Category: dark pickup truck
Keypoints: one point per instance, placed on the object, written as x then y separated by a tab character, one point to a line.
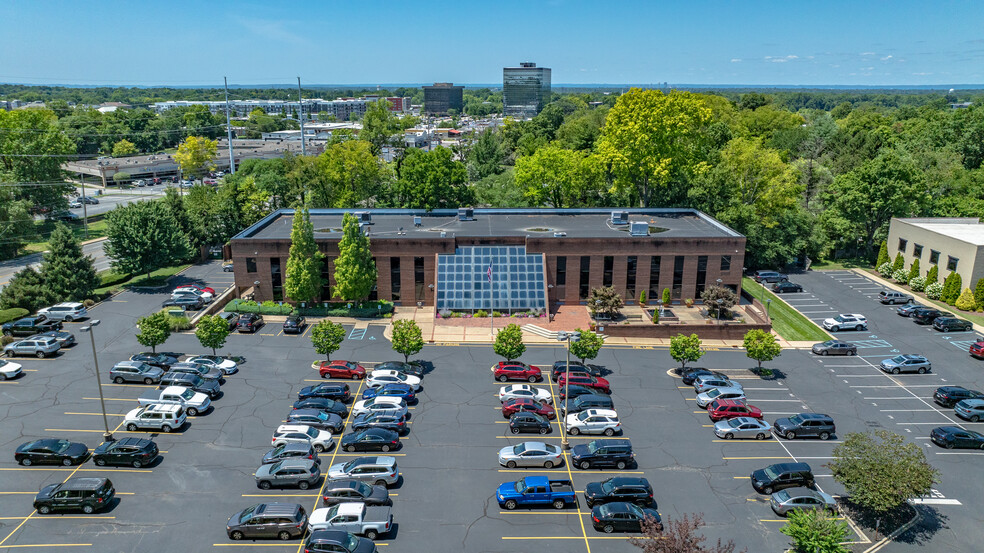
536	491
29	326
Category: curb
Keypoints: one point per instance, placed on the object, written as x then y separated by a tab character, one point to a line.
884	541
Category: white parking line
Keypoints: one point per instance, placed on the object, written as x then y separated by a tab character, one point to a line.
887	398
906	410
824	311
903	387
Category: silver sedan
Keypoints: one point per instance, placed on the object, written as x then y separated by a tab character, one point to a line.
531	454
790	499
742	427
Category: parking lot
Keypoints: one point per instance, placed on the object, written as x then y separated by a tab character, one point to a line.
445	500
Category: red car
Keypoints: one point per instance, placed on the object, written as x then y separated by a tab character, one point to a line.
514	370
731	408
204	289
515	405
340	369
977	349
586	380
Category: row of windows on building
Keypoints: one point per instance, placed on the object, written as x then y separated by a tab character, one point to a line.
631	268
934	256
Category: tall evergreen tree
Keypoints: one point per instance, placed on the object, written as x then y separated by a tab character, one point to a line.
882	254
355	271
914	269
25	290
933	275
67	274
303	281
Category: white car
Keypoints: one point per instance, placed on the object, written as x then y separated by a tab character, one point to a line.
705	382
320	440
514	391
853	321
593	421
67	311
386	376
227	366
707	397
192	293
380	404
9	370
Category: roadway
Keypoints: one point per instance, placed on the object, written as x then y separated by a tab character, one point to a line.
108	201
11	266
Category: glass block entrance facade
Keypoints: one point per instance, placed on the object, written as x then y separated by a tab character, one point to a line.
517	279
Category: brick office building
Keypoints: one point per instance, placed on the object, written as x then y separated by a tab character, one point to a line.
538	257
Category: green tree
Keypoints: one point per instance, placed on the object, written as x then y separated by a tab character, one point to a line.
196	155
347	174
26	290
124	148
951	288
649	138
666	296
588	346
407	338
509	342
965	301
816	531
559	178
16	222
327	337
144	236
643	296
712	294
933	275
882	471
605	300
68	275
913	270
379	125
761	346
979	293
355	271
486	156
212	331
176	205
882	254
32	149
154	330
684	349
431	180
120	178
303	278
899	262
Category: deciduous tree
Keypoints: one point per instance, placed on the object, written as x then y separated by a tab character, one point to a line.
509	342
605	300
303	278
212	331
816	531
559	178
196	155
678	535
68	275
684	349
355	271
32	149
431	180
346	175
588	346
154	330
379	125
761	346
124	148
712	294
327	337
407	338
144	236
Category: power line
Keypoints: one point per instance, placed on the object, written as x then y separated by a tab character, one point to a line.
62	131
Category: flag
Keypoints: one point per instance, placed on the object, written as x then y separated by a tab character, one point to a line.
489	272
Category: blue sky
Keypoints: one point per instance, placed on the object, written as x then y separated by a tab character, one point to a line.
699	41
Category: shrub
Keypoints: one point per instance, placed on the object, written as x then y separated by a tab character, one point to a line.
88	303
481	313
965	301
655	316
666	296
496	314
918	284
643	296
266	308
933	275
882	254
885	269
178	322
934	290
951	288
979	293
913	270
4	340
444	313
12	314
689	302
901	276
899	262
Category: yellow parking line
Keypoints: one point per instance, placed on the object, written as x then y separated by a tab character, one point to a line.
306	329
614	472
53	545
708	425
280	495
363	454
78	469
568	513
734	458
742	477
569	537
553	437
56	518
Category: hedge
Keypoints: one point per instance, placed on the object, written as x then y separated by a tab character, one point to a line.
13	314
266	308
368	309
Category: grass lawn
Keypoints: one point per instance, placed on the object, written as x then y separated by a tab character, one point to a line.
840	264
112	281
786	321
97	229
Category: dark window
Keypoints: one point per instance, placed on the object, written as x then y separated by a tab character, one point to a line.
374	293
562	270
584	288
250	264
630	276
395	278
276	279
725	263
934	257
326	266
418	278
677	277
654	292
701	273
609	265
902	244
951	263
916	250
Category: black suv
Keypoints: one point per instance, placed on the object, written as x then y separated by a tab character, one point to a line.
805	425
86	494
948	396
186	303
603	453
782	475
585	402
560	367
268	520
135	452
769	276
328	390
926	315
193	381
249	322
620	488
947	324
294	324
154	359
29	326
691	374
324	404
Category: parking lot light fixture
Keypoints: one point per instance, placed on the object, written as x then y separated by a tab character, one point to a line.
107	435
568	337
768	304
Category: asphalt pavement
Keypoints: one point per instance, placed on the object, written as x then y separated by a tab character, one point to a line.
11	266
109	200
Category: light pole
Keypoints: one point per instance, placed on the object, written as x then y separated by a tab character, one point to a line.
768	304
107	436
720	302
256	287
568	337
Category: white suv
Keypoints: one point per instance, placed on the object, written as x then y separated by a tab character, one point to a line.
158	416
320	440
593	421
68	312
854	321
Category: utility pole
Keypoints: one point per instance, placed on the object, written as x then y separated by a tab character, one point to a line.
300	115
85	212
232	160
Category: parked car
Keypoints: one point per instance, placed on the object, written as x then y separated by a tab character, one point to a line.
707	382
381	471
371	439
323	541
135	371
65	339
906	364
781	476
529	423
504	371
691	374
225	366
785	287
380	420
769	276
705	398
40	347
804	499
722	409
154	359
948	396
29	326
192	381
891	297
322	404
294	324
339	369
620	516
358	518
950	324
227	267
10	370
586	401
977	349
346	491
75	494
380	377
908	309
620	488
295	471
854	321
593	421
193	402
560	367
160	417
413	368
134	452
834	347
204	371
204	290
586	380
805	425
320	440
395	390
298	450
531	454
283	521
574	390
536	491
74	204
387	405
230	317
192	293
249	322
955	437
330	390
970	409
67	311
524	390
186	303
603	453
89	200
742	427
526	405
51	452
926	315
321	420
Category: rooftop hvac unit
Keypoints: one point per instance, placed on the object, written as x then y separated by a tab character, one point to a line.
416	220
639	228
364	217
620	217
466	214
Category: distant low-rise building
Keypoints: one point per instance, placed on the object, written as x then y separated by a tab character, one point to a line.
954	244
341	109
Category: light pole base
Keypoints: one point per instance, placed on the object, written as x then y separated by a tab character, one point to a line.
565	444
108	437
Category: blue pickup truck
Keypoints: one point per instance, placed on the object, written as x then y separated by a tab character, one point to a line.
535	491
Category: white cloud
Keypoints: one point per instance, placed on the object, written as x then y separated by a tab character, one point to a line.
782	59
922	73
867	54
888	57
735	60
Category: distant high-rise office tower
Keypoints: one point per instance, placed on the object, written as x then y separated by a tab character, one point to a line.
525	89
441	97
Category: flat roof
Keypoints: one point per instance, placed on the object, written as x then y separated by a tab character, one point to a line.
965	229
576	223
